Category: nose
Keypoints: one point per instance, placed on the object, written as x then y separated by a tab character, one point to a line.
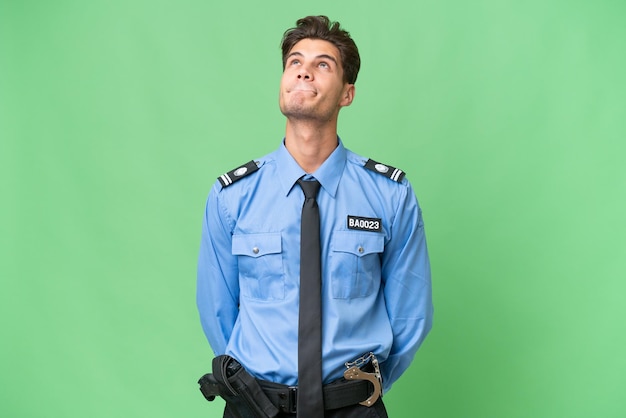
304	74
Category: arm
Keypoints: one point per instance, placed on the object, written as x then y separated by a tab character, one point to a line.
217	295
408	296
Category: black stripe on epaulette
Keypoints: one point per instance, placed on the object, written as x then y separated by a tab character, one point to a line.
388	171
238	173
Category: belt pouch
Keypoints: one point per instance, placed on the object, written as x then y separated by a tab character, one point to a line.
242	391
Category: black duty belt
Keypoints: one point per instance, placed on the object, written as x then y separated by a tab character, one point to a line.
338	394
260	398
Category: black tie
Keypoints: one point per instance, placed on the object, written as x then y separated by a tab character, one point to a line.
310	397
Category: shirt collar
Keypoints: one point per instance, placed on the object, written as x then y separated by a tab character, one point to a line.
328	174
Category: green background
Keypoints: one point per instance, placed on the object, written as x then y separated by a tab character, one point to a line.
117	116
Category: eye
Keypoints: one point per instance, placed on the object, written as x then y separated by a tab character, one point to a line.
294	61
324	64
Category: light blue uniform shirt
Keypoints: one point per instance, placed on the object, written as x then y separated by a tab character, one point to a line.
376	286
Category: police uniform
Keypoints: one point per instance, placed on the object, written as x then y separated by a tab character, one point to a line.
376	287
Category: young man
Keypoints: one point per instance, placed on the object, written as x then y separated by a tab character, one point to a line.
370	284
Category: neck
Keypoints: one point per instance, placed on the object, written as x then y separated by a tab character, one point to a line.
309	143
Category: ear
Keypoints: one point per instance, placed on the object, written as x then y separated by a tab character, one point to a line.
347	95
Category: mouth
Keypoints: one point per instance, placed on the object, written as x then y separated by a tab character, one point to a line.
302	89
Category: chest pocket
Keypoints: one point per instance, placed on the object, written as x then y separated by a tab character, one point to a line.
260	261
355	263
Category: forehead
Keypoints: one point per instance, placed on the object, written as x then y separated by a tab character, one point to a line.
315	47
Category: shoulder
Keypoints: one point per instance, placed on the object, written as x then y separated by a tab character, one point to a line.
373	167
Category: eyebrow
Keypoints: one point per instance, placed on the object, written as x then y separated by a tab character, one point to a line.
326	56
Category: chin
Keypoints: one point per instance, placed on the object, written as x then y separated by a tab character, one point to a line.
297	110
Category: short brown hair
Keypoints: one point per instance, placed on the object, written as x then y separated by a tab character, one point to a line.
320	27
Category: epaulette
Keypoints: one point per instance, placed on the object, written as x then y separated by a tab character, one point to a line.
238	173
388	171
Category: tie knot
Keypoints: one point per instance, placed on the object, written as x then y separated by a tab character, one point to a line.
310	188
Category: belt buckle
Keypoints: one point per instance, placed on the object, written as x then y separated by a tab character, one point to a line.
292	405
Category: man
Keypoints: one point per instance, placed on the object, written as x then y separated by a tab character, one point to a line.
375	285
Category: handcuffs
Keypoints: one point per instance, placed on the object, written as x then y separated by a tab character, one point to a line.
354	372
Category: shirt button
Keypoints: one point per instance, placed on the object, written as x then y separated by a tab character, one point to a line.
255	250
361	250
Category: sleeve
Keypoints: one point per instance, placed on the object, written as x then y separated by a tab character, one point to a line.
217	291
407	291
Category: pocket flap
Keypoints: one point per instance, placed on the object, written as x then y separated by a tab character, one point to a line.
256	245
358	243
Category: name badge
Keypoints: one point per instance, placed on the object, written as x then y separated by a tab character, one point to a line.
365	224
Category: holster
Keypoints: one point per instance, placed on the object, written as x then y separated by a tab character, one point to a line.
239	389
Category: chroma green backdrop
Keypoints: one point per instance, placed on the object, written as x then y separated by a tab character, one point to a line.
117	116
